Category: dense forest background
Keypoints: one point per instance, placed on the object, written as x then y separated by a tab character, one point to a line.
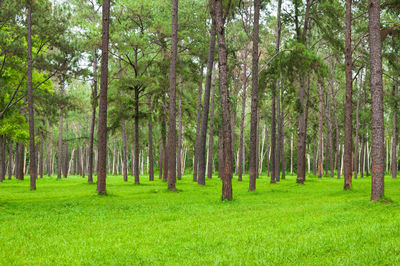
213	87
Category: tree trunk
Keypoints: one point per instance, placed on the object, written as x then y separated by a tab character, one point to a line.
172	100
225	102
93	120
378	130
282	139
211	129
357	129
198	125
220	154
254	99
136	160
291	154
179	153
348	147
124	152
29	86
273	137
160	163
320	132
204	119
10	159
329	135
102	128
2	157
21	162
41	160
241	140
394	141
151	159
165	158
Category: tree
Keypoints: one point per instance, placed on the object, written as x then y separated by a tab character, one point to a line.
377	121
172	100
102	130
254	99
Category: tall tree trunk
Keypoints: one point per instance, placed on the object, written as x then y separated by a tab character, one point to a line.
206	102
41	161
241	140
225	102
291	154
357	129
165	157
220	154
179	153
172	100
211	129
29	87
136	160
60	135
362	160
160	163
21	161
336	124
198	125
348	146
151	159
394	141
93	120
102	128
65	156
320	132
378	130
329	135
2	157
273	137
124	152
282	139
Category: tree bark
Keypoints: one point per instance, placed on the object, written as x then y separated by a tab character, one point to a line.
329	136
206	102
179	153
172	100
211	129
65	156
394	141
348	147
2	157
241	140
136	165
378	130
151	159
198	125
93	120
41	160
356	152
102	128
10	159
29	86
220	154
254	99
320	132
225	102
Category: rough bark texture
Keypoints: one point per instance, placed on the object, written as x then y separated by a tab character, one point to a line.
225	102
29	86
102	129
348	143
211	130
206	101
151	158
378	130
254	100
172	100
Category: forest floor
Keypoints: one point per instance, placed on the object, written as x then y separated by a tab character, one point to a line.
65	222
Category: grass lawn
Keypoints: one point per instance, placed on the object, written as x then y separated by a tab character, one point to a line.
65	222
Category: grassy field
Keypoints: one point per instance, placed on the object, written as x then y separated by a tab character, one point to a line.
65	222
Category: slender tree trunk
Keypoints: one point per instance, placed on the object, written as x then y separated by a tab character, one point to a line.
136	160
329	135
41	160
362	161
273	137
254	99
241	140
291	154
151	159
225	102
220	154
165	157
211	129
282	139
102	128
124	152
179	153
29	86
160	163
21	162
320	132
10	159
204	118
2	157
65	156
357	129
172	100
378	129
394	141
336	124
93	120
198	125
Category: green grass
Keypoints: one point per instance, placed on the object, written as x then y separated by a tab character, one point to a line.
65	222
